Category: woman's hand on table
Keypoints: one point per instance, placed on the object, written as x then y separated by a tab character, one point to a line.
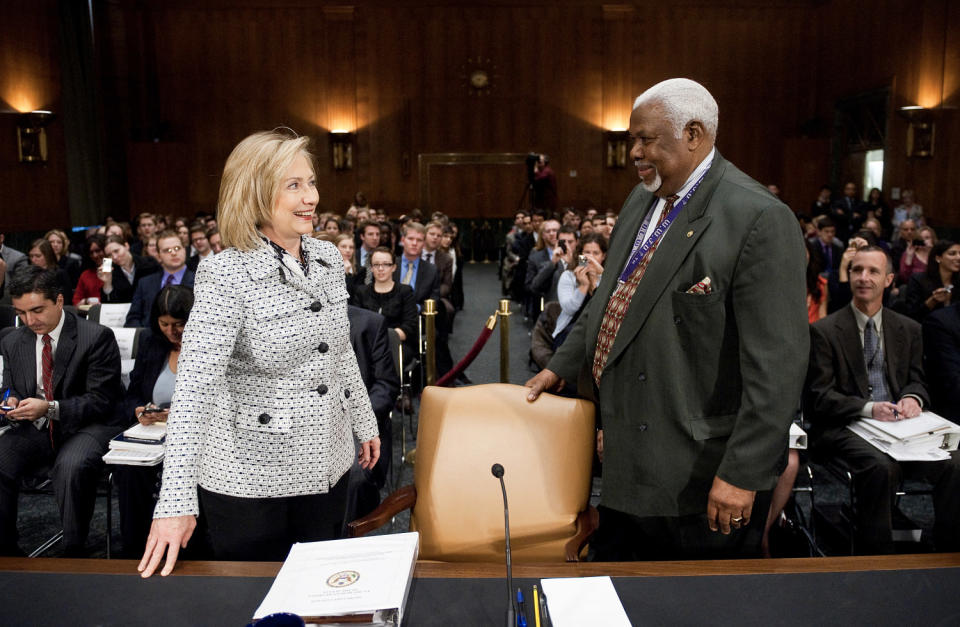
167	535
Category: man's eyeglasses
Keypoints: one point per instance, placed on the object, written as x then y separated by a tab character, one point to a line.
381	266
171	250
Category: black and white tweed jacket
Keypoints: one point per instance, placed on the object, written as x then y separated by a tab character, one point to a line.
268	395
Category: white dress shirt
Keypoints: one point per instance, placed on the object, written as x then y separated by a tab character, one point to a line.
41	393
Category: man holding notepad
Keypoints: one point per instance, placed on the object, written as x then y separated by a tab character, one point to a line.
866	361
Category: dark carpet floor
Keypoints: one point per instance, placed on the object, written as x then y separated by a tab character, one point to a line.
39	519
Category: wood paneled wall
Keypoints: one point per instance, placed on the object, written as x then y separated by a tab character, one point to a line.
32	196
184	81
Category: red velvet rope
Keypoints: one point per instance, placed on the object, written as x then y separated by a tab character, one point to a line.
449	378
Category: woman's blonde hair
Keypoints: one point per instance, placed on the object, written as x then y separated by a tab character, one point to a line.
251	180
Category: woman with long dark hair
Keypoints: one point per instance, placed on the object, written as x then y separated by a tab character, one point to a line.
89	284
930	290
151	388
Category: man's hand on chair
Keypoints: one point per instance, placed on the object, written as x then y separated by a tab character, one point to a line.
545	381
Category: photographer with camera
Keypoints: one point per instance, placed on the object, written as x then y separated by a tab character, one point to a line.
578	283
932	289
916	255
545	282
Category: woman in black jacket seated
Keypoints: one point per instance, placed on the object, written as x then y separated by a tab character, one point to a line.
389	298
933	289
151	387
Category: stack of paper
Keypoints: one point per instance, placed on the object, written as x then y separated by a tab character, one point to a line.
140	445
928	437
584	601
359	580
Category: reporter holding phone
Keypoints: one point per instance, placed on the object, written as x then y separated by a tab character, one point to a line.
147	399
268	398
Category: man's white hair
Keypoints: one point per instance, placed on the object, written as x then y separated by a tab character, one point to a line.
683	101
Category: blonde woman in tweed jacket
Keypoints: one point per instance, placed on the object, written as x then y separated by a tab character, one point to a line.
268	396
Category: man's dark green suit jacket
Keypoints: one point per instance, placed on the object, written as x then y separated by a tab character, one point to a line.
699	385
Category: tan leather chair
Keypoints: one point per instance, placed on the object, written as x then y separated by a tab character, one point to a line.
546	449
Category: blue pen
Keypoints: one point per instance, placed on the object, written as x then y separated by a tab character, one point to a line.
522	613
6	395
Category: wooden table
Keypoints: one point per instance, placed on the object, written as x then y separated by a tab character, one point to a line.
899	589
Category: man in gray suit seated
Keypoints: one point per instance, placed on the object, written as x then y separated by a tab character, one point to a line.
63	377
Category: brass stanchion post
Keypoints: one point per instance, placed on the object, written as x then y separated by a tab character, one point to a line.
504	314
430	330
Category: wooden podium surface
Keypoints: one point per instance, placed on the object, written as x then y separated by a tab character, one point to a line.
882	590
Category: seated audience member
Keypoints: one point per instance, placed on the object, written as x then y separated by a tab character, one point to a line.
817	292
874	226
578	283
908	210
421	277
941	343
542	253
839	293
174	271
41	255
368	336
146	224
200	243
450	244
866	362
433	233
63	374
830	246
821	205
128	269
69	262
523	243
387	297
915	255
10	261
183	232
906	233
331	226
151	387
89	284
213	236
933	288
876	208
563	259
150	249
369	240
354	275
601	226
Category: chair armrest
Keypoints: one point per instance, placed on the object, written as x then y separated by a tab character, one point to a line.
404	498
587	522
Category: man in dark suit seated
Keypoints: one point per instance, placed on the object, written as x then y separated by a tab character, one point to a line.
866	361
63	374
368	337
941	341
173	260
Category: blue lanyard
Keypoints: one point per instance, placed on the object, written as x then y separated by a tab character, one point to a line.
641	248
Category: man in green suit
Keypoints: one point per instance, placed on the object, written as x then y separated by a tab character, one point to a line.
695	345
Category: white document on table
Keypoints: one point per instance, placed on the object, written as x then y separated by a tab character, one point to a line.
923	450
576	601
356	576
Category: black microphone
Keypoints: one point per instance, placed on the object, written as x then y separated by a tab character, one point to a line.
497	471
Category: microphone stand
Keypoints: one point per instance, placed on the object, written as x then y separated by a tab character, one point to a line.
497	471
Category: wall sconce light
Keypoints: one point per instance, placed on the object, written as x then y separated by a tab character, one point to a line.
341	146
32	136
616	148
920	132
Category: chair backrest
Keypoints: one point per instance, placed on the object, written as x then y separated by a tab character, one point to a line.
127	342
546	449
8	317
109	314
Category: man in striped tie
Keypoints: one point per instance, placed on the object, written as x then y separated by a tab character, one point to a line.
695	343
62	377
